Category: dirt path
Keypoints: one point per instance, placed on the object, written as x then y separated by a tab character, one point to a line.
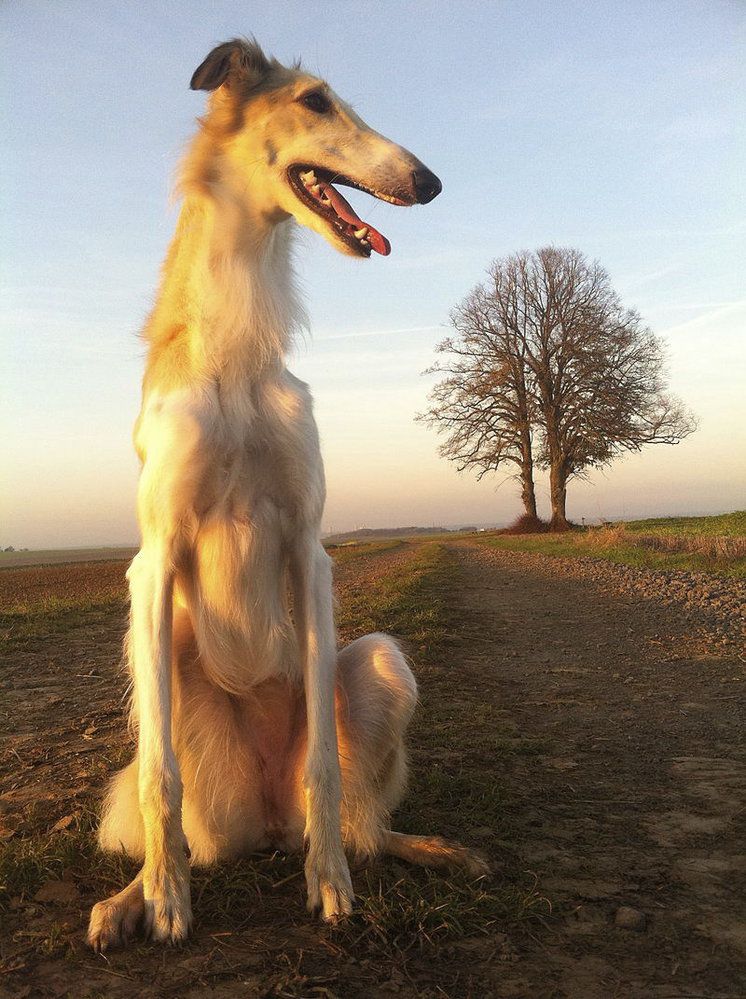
580	734
639	797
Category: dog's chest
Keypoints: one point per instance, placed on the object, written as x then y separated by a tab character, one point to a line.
269	454
265	492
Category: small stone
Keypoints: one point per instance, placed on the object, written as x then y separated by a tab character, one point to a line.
627	918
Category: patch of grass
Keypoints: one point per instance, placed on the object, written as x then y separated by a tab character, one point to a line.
344	553
21	627
458	741
408	602
622	546
42	602
731	525
27	862
227	891
426	908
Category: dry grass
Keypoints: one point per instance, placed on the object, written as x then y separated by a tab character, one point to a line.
668	544
601	538
526	524
710	546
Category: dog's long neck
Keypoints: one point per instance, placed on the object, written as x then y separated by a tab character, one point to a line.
227	304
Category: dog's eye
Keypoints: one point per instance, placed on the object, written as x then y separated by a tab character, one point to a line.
316	101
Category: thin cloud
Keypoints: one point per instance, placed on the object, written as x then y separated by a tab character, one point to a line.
708	318
694	306
361	334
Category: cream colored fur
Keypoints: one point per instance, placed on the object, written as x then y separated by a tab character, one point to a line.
253	731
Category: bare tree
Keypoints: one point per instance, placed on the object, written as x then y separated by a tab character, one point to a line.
597	371
547	355
484	405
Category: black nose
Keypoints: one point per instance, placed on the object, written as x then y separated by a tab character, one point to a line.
426	185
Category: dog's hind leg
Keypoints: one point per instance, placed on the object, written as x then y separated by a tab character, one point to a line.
434	851
376	696
121	828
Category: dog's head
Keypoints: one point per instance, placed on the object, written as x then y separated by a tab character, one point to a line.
284	140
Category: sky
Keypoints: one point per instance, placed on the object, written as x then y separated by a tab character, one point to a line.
614	128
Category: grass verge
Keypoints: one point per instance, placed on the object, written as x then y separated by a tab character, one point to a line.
659	547
732	525
409	602
344	553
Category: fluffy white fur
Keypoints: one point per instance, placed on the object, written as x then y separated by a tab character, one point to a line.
252	730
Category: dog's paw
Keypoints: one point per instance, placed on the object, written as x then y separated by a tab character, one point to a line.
475	863
329	887
461	858
114	921
168	906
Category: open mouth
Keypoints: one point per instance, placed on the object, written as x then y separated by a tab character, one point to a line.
313	186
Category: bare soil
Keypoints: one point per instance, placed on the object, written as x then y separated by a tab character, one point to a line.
63	556
639	800
588	737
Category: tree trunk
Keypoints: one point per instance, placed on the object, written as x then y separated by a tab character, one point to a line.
558	493
528	494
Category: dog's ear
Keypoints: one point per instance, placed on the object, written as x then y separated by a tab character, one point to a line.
240	60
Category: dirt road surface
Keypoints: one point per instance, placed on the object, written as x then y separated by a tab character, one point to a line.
590	740
639	800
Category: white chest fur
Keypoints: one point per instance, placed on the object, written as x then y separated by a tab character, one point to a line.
236	471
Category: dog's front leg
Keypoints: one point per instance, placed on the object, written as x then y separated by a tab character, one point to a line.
327	871
168	913
160	893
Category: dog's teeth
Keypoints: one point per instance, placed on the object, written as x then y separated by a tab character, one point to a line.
308	178
362	233
364	242
316	188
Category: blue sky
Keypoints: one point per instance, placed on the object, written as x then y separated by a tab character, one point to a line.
615	128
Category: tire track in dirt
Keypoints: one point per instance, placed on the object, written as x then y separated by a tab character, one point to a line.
639	797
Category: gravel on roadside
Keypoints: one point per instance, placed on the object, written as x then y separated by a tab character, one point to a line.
715	602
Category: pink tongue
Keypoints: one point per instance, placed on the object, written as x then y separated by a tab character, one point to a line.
345	211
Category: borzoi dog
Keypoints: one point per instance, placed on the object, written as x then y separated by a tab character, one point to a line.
253	732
